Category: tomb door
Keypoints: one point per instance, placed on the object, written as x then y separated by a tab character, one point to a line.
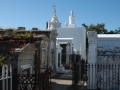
63	53
58	59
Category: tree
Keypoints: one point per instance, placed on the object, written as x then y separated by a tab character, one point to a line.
117	31
99	28
112	32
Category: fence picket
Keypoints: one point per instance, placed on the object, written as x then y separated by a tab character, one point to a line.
5	77
10	77
106	76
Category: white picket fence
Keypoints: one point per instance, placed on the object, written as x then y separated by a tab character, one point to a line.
5	77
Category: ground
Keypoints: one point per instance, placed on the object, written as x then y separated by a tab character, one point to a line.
62	81
58	84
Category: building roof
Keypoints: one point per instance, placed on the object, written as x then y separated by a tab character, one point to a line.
108	35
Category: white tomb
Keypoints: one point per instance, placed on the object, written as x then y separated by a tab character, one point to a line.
70	31
58	66
105	50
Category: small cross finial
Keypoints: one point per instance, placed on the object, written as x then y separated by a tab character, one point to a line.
54	10
54	6
71	13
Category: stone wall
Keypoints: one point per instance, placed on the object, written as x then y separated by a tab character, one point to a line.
5	46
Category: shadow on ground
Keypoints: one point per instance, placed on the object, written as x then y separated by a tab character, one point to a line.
61	85
62	81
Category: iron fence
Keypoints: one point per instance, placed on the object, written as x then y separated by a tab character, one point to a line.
41	81
96	76
6	78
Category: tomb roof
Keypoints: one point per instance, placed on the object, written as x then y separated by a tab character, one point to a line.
108	35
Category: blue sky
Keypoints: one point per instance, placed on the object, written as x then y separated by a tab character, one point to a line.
35	13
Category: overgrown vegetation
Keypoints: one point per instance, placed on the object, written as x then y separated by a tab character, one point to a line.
9	29
25	35
2	60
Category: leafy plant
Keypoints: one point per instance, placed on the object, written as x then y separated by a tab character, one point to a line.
14	33
2	60
24	35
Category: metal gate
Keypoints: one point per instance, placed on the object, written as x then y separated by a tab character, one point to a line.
40	81
79	74
96	76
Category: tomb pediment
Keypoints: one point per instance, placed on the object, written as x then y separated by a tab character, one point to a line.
29	48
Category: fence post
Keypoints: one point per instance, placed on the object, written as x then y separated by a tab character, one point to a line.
92	57
3	77
6	77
